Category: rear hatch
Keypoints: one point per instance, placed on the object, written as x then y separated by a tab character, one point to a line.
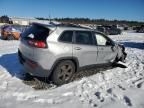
34	37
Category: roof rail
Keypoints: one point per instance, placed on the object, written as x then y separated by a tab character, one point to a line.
51	24
71	25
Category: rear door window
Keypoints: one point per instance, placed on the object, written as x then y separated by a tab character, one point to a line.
66	36
36	32
84	37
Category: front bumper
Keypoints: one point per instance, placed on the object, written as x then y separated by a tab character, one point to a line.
124	54
123	57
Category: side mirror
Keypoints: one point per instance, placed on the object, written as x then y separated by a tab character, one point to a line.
109	43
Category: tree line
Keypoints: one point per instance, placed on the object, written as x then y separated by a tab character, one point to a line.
5	19
95	21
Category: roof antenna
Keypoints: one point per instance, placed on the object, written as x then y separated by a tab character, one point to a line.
50	19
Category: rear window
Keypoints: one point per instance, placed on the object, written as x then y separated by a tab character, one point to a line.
20	28
36	32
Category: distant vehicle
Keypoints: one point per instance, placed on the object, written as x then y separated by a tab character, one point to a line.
11	32
58	51
139	29
101	29
126	28
109	30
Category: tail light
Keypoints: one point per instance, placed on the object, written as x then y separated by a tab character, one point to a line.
37	44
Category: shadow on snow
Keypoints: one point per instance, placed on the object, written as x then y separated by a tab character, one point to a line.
11	64
133	45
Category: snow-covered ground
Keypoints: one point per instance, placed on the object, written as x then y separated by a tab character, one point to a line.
115	87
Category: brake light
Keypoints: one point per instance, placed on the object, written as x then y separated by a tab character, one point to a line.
37	44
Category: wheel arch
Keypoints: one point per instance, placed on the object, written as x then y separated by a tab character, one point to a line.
73	59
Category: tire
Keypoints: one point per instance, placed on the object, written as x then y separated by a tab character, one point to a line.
63	72
10	37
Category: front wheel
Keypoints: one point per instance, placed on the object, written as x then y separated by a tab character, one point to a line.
63	72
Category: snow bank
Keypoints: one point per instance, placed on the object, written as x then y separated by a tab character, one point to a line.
111	88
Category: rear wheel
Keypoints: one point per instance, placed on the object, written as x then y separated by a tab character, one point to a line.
63	72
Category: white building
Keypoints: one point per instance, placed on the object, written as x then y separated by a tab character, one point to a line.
27	21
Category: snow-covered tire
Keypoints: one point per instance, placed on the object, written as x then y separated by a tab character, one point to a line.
63	72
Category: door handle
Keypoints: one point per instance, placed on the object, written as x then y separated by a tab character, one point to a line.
77	48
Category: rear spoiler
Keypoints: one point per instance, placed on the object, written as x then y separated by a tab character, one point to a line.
52	26
48	26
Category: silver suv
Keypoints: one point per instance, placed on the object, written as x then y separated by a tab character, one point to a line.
58	51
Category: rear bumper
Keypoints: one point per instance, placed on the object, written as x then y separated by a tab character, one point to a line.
38	71
32	67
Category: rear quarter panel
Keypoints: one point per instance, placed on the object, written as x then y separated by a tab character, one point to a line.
26	50
55	50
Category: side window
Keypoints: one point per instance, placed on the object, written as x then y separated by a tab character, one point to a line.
101	40
84	37
66	36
